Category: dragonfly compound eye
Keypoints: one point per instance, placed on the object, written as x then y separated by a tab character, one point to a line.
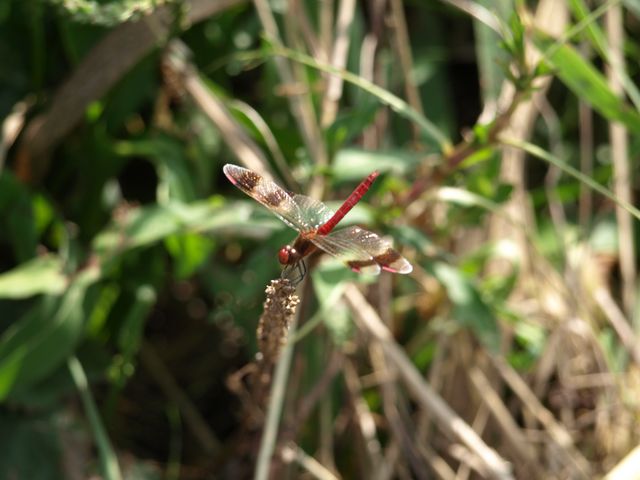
286	255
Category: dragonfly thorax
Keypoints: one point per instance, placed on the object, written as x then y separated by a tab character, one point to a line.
290	254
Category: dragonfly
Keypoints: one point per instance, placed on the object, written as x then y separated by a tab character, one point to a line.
361	250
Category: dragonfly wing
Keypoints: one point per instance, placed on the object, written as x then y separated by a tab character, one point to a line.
269	194
314	212
345	249
363	251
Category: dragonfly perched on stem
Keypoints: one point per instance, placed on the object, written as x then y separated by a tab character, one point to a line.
362	250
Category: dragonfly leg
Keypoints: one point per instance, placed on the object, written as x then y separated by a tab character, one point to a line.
295	272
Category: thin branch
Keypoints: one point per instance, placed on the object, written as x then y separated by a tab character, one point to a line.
363	418
617	320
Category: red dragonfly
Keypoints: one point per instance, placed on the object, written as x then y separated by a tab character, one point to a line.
361	250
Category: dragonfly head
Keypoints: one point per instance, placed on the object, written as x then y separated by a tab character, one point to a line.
288	255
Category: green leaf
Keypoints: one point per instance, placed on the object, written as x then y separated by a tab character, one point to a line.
469	310
408	235
430	131
633	5
132	327
145	226
586	82
354	164
108	459
44	338
175	180
488	51
349	125
31	447
16	216
189	251
37	276
329	281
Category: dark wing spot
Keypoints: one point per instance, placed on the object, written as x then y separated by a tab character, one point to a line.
392	261
275	197
388	257
249	180
358	264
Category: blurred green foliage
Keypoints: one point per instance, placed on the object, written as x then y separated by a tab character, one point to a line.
133	235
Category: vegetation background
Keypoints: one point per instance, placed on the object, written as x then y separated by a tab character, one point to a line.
133	273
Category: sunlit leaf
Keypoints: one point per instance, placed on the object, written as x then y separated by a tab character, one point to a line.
352	164
587	83
42	275
147	225
189	251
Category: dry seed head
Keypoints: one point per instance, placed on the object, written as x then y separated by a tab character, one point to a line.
273	326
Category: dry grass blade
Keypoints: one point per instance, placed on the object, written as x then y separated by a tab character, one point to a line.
293	453
364	419
552	16
620	157
245	149
618	321
558	434
628	468
443	415
500	412
403	45
301	106
338	60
